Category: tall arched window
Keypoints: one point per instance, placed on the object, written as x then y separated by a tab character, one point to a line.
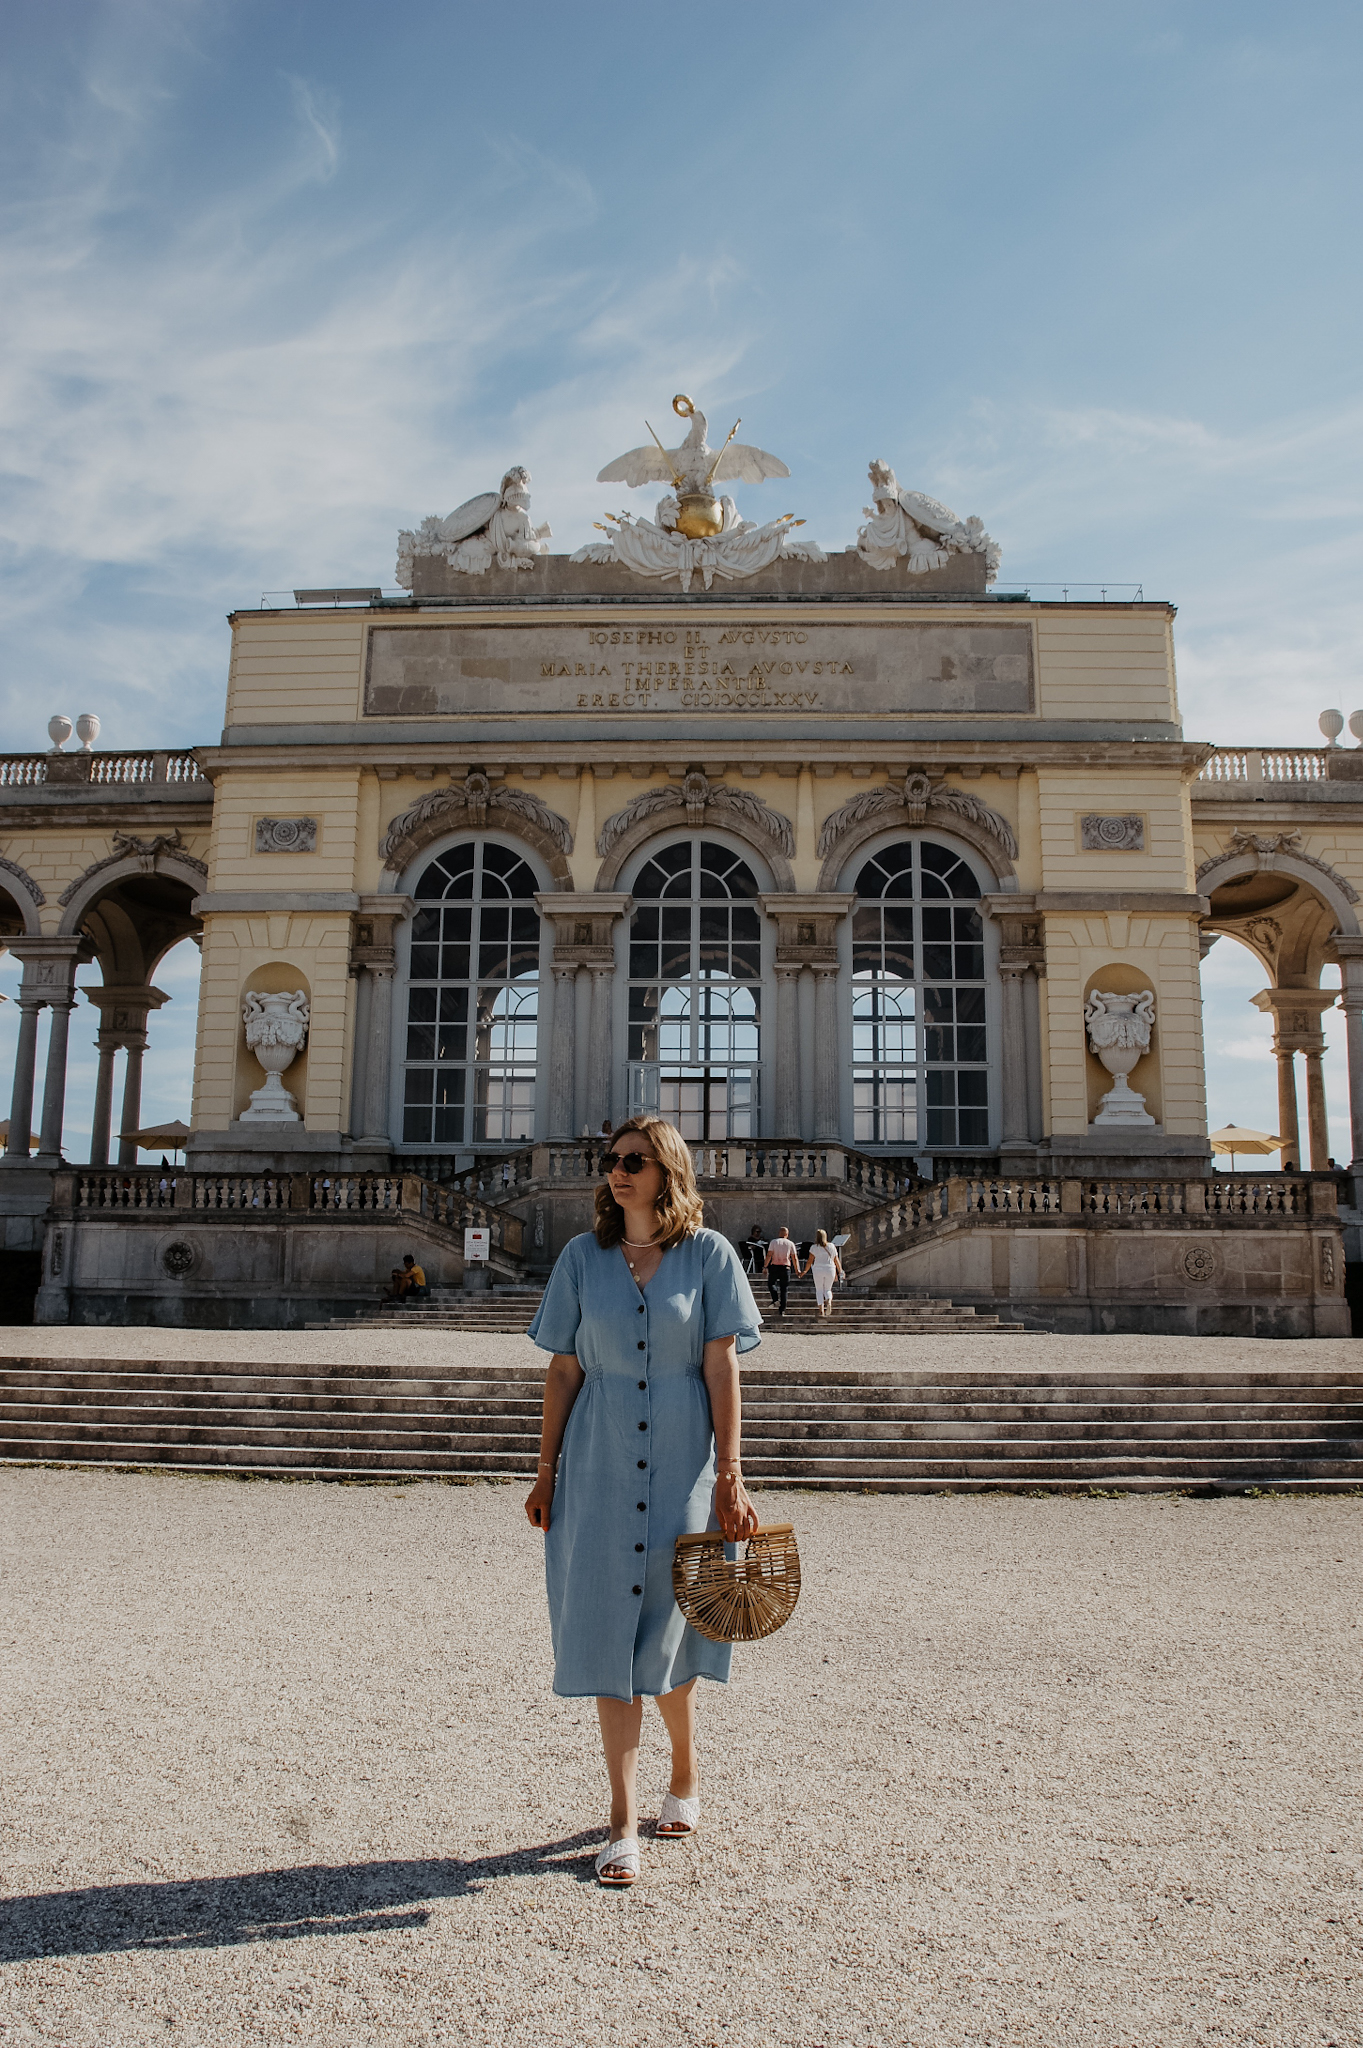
695	991
473	1000
920	1062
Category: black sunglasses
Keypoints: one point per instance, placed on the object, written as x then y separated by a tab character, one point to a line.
631	1162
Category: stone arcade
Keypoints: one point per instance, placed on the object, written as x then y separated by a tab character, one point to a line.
888	886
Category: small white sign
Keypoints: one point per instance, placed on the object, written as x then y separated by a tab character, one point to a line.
841	1240
477	1244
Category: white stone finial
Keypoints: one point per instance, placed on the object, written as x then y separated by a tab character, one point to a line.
87	729
1119	1028
1356	724
59	730
1331	724
276	1031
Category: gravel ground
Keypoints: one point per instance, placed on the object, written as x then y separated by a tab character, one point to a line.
874	1354
281	1764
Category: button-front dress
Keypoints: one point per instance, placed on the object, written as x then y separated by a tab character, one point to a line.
637	1465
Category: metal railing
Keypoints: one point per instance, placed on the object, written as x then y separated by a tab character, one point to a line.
1246	766
154	768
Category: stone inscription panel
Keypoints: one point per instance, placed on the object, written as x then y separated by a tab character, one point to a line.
461	671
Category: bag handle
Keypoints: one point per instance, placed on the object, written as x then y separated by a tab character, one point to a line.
718	1536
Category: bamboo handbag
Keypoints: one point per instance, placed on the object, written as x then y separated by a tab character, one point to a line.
737	1600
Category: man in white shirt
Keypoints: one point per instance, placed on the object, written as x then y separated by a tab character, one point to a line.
782	1258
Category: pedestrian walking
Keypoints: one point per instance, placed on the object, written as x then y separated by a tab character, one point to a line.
826	1266
754	1251
781	1257
645	1316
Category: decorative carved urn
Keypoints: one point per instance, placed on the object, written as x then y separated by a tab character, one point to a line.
276	1031
1119	1031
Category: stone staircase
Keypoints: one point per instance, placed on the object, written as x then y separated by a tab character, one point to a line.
888	1312
1016	1428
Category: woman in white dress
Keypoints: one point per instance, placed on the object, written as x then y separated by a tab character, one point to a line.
826	1266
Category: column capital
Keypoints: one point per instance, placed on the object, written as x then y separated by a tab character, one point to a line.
373	930
807	923
50	964
1297	1015
584	923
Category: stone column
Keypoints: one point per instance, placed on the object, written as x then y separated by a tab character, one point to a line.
359	1066
54	1080
1351	1002
584	923
563	1050
827	1065
104	1103
1317	1121
135	1045
1031	996
600	1066
1287	1108
373	961
1014	1056
123	1011
787	1060
1022	958
378	1061
1296	1014
21	1101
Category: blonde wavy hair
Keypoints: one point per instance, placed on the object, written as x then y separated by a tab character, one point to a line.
679	1209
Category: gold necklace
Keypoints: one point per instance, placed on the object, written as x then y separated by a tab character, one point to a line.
638	1244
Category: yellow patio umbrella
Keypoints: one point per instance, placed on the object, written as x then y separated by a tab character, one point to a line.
1235	1138
160	1137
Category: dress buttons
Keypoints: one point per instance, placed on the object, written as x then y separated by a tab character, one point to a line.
643	1464
641	1308
641	1346
638	1546
641	1507
638	1589
643	1386
643	1425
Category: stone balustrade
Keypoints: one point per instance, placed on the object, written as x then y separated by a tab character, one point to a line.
154	767
1247	766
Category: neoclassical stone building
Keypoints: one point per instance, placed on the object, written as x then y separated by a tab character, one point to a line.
888	887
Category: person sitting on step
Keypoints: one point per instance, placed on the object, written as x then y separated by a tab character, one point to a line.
409	1282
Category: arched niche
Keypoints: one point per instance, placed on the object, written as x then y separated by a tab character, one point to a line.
272	977
1120	978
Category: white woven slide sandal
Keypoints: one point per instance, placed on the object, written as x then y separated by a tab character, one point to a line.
677	1817
621	1860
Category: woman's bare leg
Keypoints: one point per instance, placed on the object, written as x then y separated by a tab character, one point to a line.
620	1723
678	1709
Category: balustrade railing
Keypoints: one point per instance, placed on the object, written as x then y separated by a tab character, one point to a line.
1248	765
153	766
1001	1195
1242	1194
1133	1197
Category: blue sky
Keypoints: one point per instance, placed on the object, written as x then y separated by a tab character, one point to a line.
275	281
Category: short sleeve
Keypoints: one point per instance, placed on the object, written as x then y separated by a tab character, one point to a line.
559	1314
727	1299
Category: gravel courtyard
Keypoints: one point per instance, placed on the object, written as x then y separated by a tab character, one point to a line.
281	1764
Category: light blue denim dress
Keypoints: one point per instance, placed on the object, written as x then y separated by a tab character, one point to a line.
637	1467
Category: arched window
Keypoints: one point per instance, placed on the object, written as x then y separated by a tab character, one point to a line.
695	991
919	1056
472	1000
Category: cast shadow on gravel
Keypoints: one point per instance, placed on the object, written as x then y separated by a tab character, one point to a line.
267	1905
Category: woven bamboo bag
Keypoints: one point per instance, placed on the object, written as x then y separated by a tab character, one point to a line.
742	1599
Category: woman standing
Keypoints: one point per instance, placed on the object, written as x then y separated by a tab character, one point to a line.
826	1266
645	1316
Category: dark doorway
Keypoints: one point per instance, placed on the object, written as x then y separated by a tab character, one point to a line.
20	1278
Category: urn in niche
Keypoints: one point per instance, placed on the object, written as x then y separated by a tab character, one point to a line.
1119	1029
276	1031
